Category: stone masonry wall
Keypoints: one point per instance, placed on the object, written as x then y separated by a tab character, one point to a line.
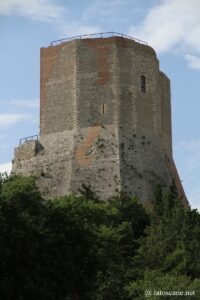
96	83
98	126
140	136
58	91
166	128
52	165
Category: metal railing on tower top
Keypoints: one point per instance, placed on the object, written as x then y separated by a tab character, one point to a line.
97	35
28	138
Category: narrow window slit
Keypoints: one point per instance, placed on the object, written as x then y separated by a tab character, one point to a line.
143	83
104	109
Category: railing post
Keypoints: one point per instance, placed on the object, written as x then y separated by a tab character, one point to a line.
101	34
29	138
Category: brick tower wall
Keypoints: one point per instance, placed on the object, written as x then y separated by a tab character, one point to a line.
98	125
57	88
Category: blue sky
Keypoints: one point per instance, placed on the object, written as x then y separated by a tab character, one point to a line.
171	27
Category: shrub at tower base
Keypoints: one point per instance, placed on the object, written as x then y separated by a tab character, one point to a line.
80	248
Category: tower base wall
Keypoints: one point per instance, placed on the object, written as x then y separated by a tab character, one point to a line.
100	158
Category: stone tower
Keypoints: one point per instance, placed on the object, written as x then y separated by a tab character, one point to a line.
105	120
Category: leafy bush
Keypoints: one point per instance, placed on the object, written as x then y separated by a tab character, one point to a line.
81	248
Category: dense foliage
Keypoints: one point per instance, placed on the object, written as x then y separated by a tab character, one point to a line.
80	248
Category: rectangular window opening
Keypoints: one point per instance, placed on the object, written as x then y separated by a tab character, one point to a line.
143	83
103	109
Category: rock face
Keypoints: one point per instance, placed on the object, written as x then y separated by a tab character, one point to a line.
105	121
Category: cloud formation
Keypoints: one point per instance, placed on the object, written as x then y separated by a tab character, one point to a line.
26	103
7	120
36	9
173	25
193	61
77	28
6	167
103	9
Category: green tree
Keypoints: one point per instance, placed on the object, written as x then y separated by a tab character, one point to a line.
163	248
81	248
155	282
119	240
21	236
172	241
48	249
192	242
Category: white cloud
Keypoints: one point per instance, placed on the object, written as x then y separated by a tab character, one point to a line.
193	61
102	8
6	167
76	28
36	9
172	25
7	120
26	103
